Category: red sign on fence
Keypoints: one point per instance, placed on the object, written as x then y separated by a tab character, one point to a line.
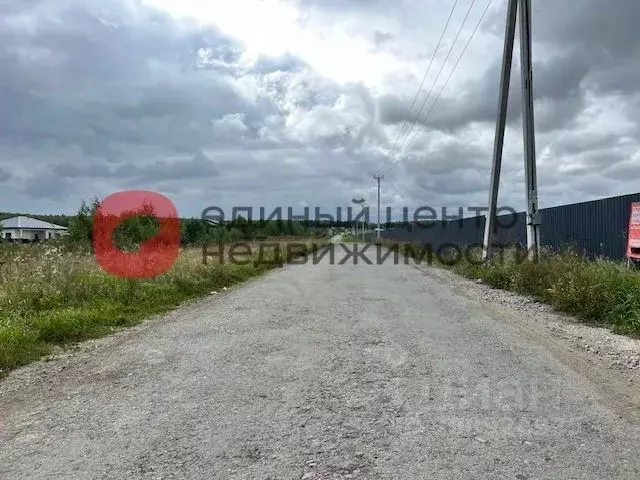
633	232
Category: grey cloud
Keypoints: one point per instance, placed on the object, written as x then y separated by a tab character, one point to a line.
601	34
553	115
92	88
625	170
200	166
603	160
556	90
447	173
572	143
104	70
48	186
445	158
458	182
284	63
71	170
4	175
592	47
381	38
590	23
341	5
592	185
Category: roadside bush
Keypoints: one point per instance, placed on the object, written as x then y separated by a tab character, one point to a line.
496	276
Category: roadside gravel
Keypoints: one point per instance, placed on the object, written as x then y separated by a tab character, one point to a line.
618	350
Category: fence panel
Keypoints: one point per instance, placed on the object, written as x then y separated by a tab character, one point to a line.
597	228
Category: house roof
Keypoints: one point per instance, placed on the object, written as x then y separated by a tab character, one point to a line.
29	223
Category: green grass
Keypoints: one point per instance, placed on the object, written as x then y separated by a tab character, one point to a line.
351	239
599	292
50	296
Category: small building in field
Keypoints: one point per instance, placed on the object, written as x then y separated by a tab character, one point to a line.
27	229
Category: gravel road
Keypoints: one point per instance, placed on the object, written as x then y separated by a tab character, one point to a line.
322	372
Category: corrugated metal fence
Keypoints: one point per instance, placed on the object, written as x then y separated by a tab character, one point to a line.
598	228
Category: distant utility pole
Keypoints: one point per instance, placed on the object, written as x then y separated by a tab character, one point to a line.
533	216
358	201
378	177
364	224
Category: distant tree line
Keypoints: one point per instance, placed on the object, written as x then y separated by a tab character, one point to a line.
194	231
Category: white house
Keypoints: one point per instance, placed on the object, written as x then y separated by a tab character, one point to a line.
27	229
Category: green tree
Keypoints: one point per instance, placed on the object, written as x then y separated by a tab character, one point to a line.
79	231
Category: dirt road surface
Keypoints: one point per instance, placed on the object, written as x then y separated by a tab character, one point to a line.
321	372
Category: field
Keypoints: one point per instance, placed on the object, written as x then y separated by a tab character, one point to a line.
53	294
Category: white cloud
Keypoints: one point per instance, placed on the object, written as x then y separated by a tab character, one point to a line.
230	125
278	27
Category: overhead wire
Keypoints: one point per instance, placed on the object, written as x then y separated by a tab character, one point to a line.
444	64
427	116
424	78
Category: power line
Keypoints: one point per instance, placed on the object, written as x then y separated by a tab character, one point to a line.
407	144
415	99
441	69
378	178
427	116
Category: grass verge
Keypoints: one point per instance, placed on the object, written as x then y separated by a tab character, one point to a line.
350	239
49	296
598	292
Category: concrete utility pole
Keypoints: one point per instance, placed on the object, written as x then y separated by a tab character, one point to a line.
498	144
533	218
378	177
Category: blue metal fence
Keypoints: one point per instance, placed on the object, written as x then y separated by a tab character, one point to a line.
598	228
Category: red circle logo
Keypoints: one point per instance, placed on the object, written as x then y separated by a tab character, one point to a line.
154	256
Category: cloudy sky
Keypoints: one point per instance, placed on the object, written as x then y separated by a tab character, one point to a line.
297	102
